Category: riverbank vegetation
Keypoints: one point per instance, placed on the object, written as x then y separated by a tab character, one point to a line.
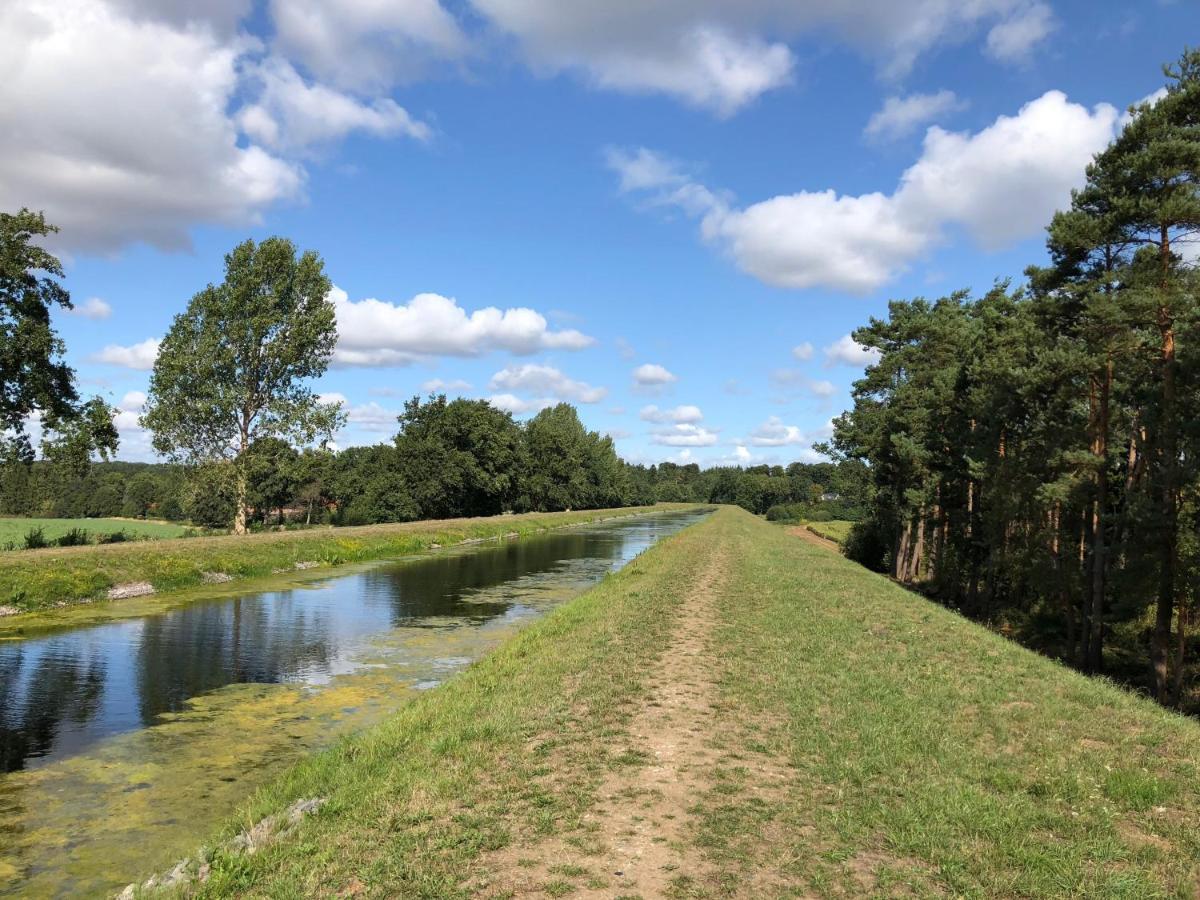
1033	452
859	740
52	578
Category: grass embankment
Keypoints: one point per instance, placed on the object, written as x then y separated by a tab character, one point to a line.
42	579
13	530
858	740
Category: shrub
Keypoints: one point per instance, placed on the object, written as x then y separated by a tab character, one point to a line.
113	537
76	537
35	539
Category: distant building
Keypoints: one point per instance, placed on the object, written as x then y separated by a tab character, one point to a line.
830	497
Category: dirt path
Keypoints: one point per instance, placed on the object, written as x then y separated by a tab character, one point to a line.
802	532
638	841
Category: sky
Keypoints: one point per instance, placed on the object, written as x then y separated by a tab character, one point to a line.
670	214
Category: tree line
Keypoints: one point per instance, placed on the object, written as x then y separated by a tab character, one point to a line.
1034	452
231	407
447	466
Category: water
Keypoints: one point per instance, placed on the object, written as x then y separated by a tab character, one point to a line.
125	741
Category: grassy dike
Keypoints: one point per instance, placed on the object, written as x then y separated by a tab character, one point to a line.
35	580
864	742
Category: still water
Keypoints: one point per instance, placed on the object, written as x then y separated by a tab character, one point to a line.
124	742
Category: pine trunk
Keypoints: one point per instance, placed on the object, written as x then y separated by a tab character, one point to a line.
1165	609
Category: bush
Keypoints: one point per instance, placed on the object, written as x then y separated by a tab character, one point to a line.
800	512
867	545
35	539
76	537
113	537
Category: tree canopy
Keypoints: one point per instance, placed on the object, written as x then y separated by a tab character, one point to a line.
236	366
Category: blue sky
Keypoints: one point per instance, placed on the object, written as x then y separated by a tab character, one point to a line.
710	194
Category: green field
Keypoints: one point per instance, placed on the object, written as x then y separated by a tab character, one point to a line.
13	530
836	531
740	713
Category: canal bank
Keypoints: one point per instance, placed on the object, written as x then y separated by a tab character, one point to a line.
131	739
739	713
64	582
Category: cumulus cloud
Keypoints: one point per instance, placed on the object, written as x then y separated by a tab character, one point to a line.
139	356
901	116
803	352
92	308
999	184
846	351
125	132
378	333
774	433
722	56
652	375
519	406
684	435
366	44
677	415
292	114
140	119
547	383
371	416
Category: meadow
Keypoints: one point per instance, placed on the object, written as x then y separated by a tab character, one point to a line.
836	530
13	530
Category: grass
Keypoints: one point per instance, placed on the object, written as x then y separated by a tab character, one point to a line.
14	530
924	755
836	530
34	580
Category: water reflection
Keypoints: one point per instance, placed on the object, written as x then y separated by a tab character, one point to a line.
63	692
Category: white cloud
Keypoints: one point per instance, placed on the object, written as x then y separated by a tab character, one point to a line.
139	356
722	55
625	348
371	417
92	308
901	116
438	386
685	435
366	44
290	114
1013	40
517	405
1000	184
653	375
546	382
742	454
378	333
848	352
803	352
679	414
822	388
124	125
774	433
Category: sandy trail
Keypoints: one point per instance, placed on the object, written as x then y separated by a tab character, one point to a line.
638	838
